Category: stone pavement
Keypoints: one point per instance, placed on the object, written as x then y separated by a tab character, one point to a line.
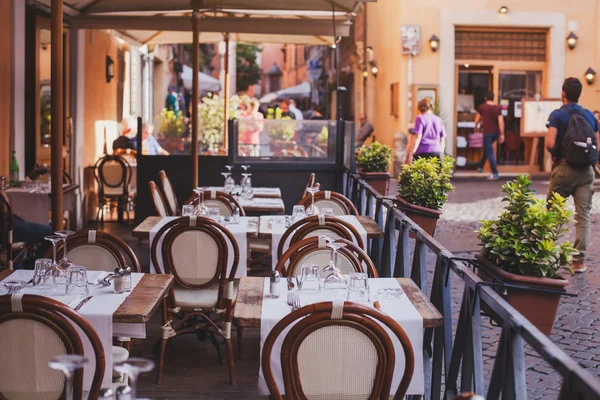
577	328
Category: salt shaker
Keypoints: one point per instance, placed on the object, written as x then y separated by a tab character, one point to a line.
274	287
236	215
127	279
119	280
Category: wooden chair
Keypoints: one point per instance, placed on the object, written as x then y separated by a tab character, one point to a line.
327	199
316	347
170	197
225	202
195	252
309	183
99	251
313	250
7	247
113	175
159	201
332	227
34	330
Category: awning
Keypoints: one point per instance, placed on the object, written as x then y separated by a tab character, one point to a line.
294	92
207	82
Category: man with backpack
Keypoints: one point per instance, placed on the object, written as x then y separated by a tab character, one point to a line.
572	140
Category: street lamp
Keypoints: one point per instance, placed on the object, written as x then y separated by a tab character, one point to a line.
572	40
590	76
434	43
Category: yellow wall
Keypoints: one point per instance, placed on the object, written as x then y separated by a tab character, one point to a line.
385	18
5	84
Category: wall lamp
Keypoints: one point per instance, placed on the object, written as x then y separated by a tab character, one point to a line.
110	69
590	76
572	40
503	10
434	43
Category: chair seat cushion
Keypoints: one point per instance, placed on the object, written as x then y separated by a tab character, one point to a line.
205	299
260	245
119	354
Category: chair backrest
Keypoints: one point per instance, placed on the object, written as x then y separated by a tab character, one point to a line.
170	197
309	183
35	329
327	199
100	251
316	347
113	174
225	202
6	231
195	251
159	202
314	250
333	228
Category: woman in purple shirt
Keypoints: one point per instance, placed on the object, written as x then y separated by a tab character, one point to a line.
428	136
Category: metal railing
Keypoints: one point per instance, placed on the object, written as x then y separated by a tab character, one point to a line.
454	361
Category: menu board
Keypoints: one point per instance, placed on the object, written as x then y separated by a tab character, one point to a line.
535	115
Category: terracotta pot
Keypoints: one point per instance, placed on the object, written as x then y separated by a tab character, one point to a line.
172	144
425	217
380	181
539	308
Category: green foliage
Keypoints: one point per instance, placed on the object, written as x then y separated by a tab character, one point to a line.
211	118
375	157
323	136
171	124
426	182
283	130
247	69
525	238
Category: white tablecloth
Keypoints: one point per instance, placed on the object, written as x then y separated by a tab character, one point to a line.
239	232
278	229
400	310
34	205
261	202
98	312
258	191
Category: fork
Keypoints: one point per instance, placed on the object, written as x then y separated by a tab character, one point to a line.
290	300
296	300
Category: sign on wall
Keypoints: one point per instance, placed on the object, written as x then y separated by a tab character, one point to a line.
411	39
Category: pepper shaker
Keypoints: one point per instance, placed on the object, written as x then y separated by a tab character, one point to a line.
119	280
127	279
274	287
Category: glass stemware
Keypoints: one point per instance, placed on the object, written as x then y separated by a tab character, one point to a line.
312	210
201	209
64	263
333	258
247	191
133	367
42	265
68	364
229	182
243	182
56	272
335	280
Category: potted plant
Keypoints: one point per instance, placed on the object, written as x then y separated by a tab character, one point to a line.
374	162
423	188
211	115
171	128
281	129
523	247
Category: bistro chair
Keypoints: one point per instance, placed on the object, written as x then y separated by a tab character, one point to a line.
332	227
170	197
328	199
159	201
314	250
7	246
195	252
99	251
225	202
35	329
113	175
309	183
315	359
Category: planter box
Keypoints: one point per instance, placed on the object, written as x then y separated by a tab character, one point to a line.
425	217
539	308
380	181
171	144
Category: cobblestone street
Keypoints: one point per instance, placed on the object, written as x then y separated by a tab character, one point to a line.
577	327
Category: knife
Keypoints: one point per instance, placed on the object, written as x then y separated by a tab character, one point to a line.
82	303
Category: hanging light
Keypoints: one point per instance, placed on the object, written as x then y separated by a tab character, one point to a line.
434	43
503	10
572	40
590	76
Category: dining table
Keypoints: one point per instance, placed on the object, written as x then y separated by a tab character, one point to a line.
265	230
142	231
260	192
33	203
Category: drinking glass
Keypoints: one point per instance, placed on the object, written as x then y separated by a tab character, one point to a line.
358	289
201	210
214	213
42	265
56	272
77	282
14	287
308	280
327	212
229	182
64	263
133	367
298	213
68	364
187	210
312	210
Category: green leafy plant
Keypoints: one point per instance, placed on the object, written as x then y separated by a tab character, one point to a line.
247	69
284	130
375	157
426	182
171	124
323	136
526	238
211	115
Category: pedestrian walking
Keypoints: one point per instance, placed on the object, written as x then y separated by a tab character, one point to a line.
572	140
428	137
492	121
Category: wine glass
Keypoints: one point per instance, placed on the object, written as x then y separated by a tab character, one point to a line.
133	367
56	272
332	266
64	263
243	182
68	364
312	210
201	209
229	182
335	280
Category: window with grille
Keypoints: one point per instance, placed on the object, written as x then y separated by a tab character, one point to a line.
501	45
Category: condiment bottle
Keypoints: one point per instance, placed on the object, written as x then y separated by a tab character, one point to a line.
274	287
127	278
236	216
119	280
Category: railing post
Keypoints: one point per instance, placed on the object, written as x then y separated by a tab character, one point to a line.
388	254
402	265
362	199
377	244
419	267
